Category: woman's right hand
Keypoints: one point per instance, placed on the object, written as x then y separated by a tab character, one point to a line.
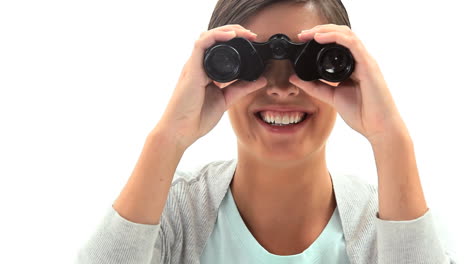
197	103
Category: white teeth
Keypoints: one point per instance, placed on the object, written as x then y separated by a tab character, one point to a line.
282	119
277	119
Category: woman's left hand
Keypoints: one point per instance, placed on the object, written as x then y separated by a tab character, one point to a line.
363	100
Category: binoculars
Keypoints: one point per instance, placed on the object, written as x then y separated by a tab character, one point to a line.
242	59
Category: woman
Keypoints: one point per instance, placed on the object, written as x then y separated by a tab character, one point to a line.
277	202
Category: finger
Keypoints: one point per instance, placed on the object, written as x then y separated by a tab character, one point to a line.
209	38
237	90
317	89
326	28
222	85
250	36
330	83
360	54
230	27
341	35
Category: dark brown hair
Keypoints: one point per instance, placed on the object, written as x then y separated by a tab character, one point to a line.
238	11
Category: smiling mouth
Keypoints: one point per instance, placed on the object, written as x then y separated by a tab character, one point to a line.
281	122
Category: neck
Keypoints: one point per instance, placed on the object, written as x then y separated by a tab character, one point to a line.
297	196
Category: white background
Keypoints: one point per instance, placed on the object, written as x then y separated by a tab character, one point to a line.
83	82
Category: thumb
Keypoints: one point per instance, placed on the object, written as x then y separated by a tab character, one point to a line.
239	89
317	89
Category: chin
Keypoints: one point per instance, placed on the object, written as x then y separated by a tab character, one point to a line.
283	156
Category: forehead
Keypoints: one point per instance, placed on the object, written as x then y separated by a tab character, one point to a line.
288	17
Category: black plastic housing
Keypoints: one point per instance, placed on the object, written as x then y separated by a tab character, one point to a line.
242	59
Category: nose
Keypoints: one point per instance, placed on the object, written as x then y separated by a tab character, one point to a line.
277	74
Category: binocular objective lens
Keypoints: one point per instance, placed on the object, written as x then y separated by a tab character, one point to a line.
223	63
334	61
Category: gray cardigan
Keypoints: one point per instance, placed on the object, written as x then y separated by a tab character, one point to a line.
191	210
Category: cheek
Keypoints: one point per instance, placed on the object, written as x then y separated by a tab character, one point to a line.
325	122
242	124
238	120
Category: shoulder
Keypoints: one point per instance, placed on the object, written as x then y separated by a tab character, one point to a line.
200	188
199	173
356	197
352	183
358	182
357	202
193	200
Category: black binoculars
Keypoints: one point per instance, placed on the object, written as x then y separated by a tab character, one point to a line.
242	59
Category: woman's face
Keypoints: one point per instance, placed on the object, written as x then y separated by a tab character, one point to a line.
255	139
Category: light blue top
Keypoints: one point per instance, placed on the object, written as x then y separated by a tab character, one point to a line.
191	212
231	242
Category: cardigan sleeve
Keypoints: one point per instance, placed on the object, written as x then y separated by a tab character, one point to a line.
410	241
118	240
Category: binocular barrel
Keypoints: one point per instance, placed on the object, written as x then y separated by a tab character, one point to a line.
242	59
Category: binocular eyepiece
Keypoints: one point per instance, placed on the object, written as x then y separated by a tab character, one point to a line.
242	59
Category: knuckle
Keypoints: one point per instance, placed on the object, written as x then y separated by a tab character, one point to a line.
346	27
369	63
353	40
347	30
198	43
203	34
184	74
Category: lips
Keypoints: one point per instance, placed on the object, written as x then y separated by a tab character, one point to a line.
279	117
284	129
284	109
